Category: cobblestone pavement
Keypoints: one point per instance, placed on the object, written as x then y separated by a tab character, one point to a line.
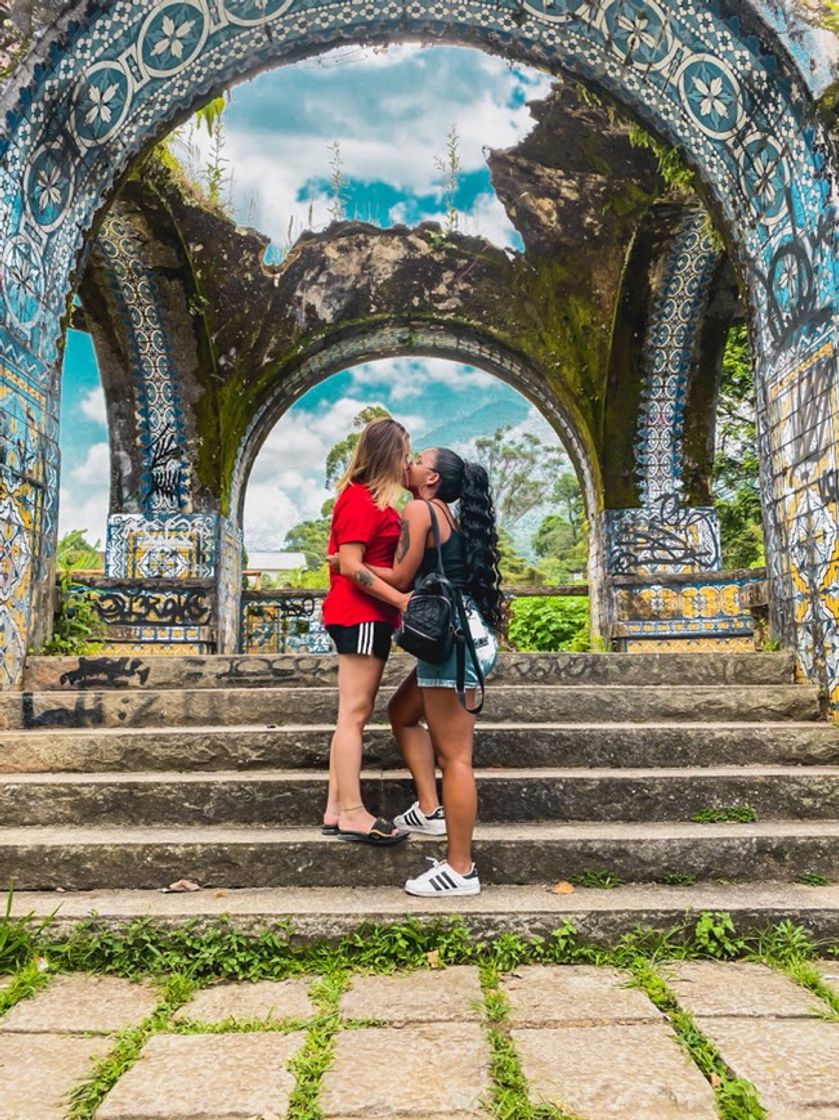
421	1045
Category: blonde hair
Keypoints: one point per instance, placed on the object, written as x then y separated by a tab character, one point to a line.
377	460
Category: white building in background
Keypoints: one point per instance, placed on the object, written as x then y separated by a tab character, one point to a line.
271	564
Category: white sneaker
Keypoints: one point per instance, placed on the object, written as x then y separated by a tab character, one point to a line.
441	880
415	820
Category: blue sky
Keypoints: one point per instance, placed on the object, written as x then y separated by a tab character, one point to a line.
391	112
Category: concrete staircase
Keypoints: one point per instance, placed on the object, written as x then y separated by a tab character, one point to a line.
119	776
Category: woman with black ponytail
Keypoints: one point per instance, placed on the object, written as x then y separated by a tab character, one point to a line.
469	542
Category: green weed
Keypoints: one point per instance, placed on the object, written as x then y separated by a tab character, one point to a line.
785	943
740	812
813	879
31	978
678	879
18	937
315	1057
600	879
714	935
508	1098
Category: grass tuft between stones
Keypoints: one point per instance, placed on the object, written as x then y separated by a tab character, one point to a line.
86	1098
736	1098
508	1098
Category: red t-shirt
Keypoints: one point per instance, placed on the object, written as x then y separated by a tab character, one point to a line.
357	520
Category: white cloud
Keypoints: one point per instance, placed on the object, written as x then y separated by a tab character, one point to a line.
92	406
88	512
391	125
96	467
84	503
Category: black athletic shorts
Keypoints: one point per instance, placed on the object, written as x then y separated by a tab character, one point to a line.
371	638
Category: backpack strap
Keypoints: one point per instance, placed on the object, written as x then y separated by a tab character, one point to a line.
463	641
435	530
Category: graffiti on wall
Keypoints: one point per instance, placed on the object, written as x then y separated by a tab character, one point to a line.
664	538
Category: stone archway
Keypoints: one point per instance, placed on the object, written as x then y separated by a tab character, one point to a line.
102	84
443	340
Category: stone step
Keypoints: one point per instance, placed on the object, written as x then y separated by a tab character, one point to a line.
246	671
291	798
146	858
293	705
496	745
328	913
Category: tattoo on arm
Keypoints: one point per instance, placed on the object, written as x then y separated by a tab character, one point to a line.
363	577
404	541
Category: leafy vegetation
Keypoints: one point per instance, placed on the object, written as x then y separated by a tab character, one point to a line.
736	485
521	472
75	553
813	879
77	627
544	625
740	812
599	879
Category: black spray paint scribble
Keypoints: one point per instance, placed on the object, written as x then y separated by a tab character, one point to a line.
664	538
789	281
86	711
167	471
113	672
149	608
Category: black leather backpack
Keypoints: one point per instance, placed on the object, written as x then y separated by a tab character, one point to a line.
435	622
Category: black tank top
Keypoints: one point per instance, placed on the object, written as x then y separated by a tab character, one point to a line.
454	560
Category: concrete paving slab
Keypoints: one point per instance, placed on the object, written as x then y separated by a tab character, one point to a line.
830	973
573	994
81	1002
390	1073
266	999
206	1077
792	1064
627	1072
451	994
740	988
37	1071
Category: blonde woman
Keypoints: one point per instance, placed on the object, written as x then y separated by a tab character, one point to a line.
360	613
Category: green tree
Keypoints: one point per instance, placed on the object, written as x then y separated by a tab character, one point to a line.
75	553
561	540
522	472
339	456
515	570
736	484
311	537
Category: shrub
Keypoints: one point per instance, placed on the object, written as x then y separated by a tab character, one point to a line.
545	624
77	628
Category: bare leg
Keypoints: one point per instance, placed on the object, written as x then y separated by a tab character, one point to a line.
359	677
452	730
405	711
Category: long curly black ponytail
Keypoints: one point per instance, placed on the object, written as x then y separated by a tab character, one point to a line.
468	483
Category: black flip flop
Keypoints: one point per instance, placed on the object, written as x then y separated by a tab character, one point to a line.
380	835
329	830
